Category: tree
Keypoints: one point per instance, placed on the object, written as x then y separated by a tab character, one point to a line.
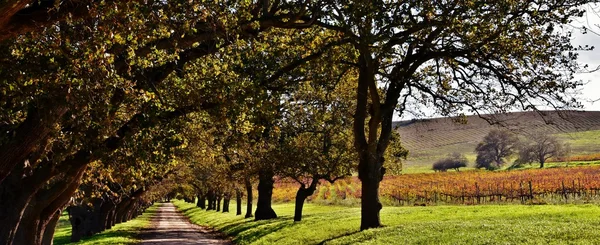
452	161
452	56
496	147
21	16
541	147
317	132
72	94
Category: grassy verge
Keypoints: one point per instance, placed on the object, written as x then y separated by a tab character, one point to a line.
124	233
486	224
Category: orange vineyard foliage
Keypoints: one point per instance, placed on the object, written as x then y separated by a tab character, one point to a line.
579	158
470	187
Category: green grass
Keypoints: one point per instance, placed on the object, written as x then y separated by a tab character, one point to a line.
486	224
124	233
585	142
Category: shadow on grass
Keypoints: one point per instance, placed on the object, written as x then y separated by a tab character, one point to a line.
123	233
251	231
62	239
247	230
339	236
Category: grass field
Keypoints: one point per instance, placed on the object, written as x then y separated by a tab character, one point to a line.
124	233
585	142
485	224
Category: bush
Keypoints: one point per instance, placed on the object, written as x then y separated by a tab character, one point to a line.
453	161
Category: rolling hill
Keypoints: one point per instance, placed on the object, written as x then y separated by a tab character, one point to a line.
431	139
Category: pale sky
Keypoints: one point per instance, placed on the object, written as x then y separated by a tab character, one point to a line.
590	93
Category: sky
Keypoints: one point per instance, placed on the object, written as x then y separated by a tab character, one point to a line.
590	93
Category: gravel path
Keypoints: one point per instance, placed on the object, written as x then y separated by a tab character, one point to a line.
169	226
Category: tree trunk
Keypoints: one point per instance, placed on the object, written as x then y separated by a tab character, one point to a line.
226	203
248	186
14	198
370	205
301	196
370	173
11	214
112	217
104	220
127	212
78	220
29	136
48	236
131	210
30	222
42	209
264	210
121	209
238	202
201	201
372	141
219	202
33	238
211	200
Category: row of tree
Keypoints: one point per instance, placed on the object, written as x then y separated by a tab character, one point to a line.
500	145
226	93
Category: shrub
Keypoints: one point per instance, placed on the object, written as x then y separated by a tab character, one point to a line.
453	161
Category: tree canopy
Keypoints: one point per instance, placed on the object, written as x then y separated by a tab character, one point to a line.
111	99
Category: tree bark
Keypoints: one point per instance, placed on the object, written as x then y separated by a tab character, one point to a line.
121	209
226	199
211	200
370	174
248	186
370	205
264	210
29	136
48	236
201	201
40	212
105	211
30	221
301	196
112	217
13	200
45	204
371	143
218	202
78	219
238	202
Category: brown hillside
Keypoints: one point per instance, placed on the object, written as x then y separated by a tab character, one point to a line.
431	139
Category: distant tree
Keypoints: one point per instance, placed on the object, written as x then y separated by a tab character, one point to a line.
453	161
542	147
495	148
525	155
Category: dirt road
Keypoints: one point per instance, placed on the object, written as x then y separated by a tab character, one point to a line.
170	227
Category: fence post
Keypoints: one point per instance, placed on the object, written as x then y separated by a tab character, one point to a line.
521	192
530	191
564	190
477	193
